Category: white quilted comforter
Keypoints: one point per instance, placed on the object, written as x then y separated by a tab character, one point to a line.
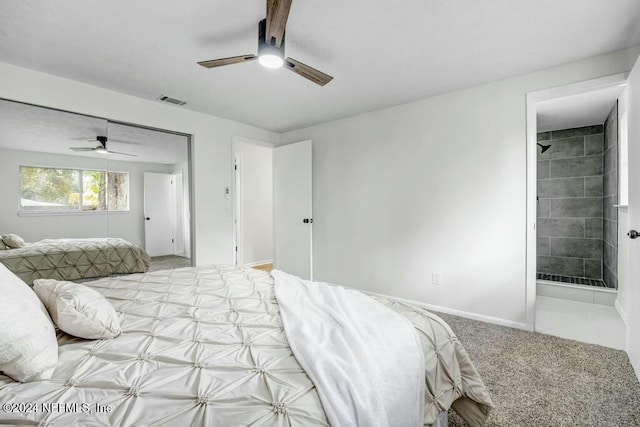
73	259
205	346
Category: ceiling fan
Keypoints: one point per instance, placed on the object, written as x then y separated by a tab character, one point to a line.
101	147
271	32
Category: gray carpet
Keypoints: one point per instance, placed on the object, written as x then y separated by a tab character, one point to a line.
539	380
169	262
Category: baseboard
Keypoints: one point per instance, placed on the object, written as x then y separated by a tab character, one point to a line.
459	313
621	312
253	264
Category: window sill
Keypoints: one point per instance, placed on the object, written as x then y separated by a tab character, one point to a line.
70	213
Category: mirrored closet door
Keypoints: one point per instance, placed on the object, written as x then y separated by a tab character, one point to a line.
149	178
85	198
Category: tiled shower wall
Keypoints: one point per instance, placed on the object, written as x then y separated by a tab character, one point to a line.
570	204
610	243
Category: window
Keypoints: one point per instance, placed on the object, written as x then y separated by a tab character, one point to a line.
64	190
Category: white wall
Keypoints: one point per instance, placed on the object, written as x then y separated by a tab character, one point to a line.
633	289
437	185
256	175
126	225
211	143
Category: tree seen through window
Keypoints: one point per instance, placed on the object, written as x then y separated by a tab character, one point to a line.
51	189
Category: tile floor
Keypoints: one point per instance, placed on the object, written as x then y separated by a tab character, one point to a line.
590	323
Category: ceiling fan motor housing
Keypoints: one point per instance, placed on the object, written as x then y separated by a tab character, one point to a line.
268	47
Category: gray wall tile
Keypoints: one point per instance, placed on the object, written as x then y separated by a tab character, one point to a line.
593	144
580	248
560	227
593	186
593	228
561	187
610	186
593	268
543	208
543	169
609	211
587	130
579	166
564	148
610	159
561	266
611	232
609	277
610	257
542	246
611	128
544	136
571	229
573	208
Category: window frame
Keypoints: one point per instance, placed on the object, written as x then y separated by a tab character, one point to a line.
79	210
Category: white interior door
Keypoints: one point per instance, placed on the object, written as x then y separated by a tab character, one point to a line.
159	213
633	305
292	209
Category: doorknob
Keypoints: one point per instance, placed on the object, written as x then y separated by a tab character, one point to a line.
147	218
308	221
633	234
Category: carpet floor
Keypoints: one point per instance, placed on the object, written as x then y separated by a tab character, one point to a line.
169	262
538	380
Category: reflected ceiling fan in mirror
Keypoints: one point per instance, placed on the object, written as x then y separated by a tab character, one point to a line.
271	34
101	147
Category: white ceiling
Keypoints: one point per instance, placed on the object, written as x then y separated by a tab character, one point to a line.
29	128
585	109
380	52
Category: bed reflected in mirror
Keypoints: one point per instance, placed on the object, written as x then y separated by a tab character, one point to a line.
85	198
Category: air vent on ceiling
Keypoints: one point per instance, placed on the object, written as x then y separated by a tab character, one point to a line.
170	100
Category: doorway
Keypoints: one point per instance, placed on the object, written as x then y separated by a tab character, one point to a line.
572	211
253	203
166	220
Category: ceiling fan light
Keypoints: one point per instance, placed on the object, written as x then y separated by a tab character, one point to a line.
270	61
101	150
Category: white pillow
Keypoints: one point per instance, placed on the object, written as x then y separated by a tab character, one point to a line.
78	310
13	241
28	345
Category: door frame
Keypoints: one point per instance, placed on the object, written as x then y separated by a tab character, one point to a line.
236	195
532	100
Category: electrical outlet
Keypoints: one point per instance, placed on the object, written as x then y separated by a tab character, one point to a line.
436	279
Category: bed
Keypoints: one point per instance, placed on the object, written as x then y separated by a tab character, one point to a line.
206	346
75	259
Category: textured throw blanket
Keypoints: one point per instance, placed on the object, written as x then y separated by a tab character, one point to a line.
365	360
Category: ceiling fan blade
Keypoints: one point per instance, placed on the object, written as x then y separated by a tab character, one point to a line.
277	14
227	61
310	73
82	149
123	154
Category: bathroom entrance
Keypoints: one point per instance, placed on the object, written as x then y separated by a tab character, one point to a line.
574	183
